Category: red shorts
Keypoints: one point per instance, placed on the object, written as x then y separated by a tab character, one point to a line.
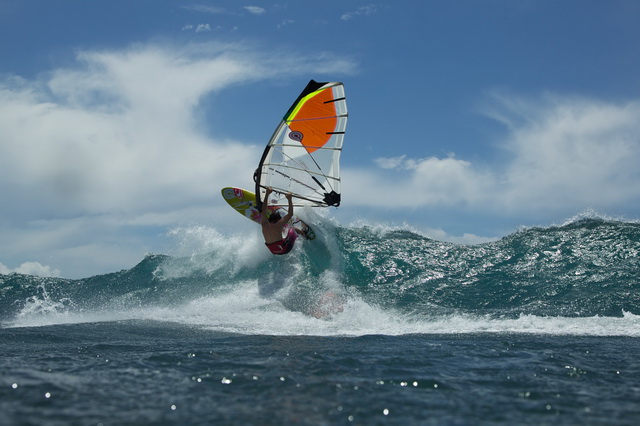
285	245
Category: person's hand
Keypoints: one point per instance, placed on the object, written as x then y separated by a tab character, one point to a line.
288	195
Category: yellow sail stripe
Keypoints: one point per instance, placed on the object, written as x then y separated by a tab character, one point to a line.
298	107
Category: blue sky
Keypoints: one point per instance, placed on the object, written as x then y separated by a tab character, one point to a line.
121	120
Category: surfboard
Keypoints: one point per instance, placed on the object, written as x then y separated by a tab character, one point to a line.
244	202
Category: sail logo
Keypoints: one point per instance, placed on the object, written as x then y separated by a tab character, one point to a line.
230	193
296	136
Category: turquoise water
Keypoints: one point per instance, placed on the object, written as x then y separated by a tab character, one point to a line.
361	326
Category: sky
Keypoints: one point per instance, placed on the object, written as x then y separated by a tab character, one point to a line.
121	120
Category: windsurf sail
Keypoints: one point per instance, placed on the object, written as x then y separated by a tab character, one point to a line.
303	155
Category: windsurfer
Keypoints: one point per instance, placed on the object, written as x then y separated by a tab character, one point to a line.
273	226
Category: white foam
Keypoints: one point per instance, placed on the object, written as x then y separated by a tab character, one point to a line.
244	311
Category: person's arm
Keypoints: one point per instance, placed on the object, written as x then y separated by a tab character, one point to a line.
265	204
289	214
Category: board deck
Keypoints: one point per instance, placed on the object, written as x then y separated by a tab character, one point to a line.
244	202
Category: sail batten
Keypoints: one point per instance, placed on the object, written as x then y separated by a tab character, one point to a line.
303	155
311	172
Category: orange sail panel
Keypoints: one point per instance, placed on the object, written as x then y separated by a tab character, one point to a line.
314	120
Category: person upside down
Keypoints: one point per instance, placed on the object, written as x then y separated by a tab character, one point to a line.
273	226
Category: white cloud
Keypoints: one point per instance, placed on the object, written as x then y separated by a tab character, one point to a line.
564	155
116	135
202	28
255	10
206	9
369	9
31	268
390	163
418	182
95	157
465	238
213	10
575	152
285	22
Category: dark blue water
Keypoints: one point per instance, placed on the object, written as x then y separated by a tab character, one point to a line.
362	326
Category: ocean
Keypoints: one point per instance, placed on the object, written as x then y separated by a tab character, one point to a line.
364	325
